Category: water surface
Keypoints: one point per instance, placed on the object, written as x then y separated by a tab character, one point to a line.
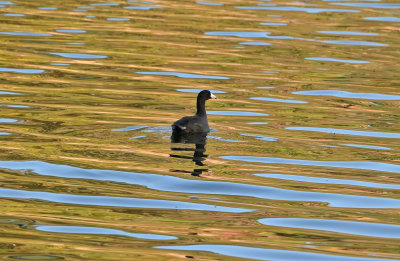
100	231
364	165
327	59
113	201
339	226
27	71
376	134
383	19
276	100
347	94
266	254
329	181
297	9
89	92
186	75
80	55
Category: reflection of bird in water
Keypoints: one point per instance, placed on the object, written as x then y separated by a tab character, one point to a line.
193	130
198	122
199	139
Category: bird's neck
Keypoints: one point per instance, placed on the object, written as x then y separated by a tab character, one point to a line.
201	107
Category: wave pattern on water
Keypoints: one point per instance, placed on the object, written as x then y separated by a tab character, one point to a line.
266	254
364	165
175	184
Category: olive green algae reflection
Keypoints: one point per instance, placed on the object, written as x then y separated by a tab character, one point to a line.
106	104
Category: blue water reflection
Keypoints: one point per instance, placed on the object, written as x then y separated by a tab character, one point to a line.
222	139
14	15
142	7
71	31
142	2
339	226
236	113
16	106
329	181
260	137
364	165
47	8
5	120
346	94
105	4
266	87
114	201
371	5
376	134
383	19
176	184
296	9
117	19
349	42
186	75
25	34
255	43
100	231
366	146
131	128
9	93
276	100
257	123
239	34
266	254
208	3
80	55
274	24
346	33
4	133
326	59
24	71
60	64
199	90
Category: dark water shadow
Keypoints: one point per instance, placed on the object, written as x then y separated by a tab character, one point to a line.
199	140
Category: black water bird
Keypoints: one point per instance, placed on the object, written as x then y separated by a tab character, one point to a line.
199	122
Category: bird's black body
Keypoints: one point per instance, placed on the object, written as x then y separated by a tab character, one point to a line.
197	123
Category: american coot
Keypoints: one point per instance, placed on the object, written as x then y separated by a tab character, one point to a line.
199	122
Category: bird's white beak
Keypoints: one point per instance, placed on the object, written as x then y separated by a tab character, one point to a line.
213	96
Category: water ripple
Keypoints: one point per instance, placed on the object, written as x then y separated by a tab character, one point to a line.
24	71
276	100
80	55
367	146
346	33
296	9
371	5
329	181
346	94
114	201
186	75
266	254
25	34
326	59
376	134
236	113
364	165
208	3
349	42
339	226
383	19
176	184
100	231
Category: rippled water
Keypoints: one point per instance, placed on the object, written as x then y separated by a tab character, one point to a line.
302	161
